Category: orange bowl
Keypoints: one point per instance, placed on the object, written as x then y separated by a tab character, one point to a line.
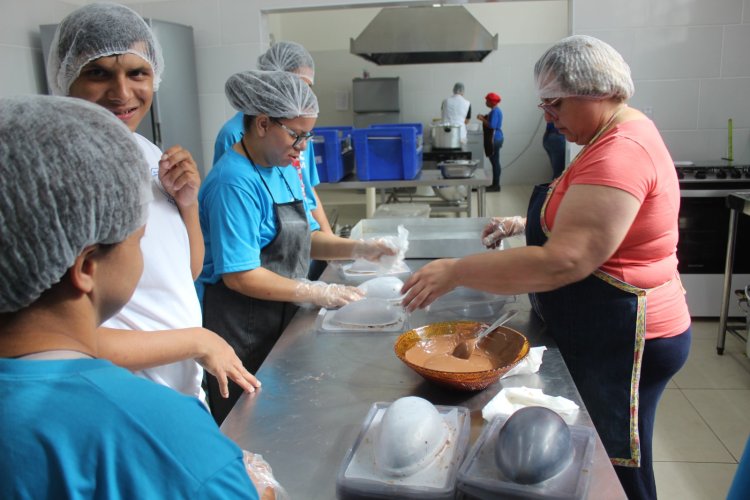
514	347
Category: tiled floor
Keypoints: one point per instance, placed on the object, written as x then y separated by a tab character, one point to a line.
703	420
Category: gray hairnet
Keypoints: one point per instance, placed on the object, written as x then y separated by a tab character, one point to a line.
73	176
99	30
582	65
288	56
458	88
277	94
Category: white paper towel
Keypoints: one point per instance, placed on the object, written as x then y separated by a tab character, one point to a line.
508	400
529	364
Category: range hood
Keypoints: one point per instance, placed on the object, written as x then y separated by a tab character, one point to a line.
419	35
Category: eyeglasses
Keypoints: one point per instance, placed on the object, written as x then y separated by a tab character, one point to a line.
550	106
297	138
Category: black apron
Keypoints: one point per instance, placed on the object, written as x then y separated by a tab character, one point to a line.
252	326
488	136
599	325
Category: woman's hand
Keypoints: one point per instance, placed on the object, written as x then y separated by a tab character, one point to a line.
500	228
261	475
220	360
179	175
373	249
328	295
432	281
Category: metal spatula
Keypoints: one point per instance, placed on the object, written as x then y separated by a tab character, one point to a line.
464	349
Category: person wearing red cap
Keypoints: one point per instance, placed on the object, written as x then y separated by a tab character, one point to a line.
492	125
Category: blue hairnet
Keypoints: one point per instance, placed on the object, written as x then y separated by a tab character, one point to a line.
73	176
99	30
277	94
585	66
288	56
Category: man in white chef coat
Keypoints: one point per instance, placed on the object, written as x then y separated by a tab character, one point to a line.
456	110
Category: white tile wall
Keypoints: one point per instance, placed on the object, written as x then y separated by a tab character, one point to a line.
734	58
694	12
213	118
722	98
706	144
673	103
22	72
202	15
20	49
240	22
690	64
676	52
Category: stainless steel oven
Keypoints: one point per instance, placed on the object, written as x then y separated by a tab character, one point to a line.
703	231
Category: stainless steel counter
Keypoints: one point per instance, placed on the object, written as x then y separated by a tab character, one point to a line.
318	387
430	178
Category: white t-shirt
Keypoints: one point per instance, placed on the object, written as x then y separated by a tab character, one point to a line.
454	111
165	297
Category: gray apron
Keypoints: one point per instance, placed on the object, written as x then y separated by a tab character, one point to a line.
252	326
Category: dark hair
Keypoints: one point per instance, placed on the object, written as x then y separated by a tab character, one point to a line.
247	121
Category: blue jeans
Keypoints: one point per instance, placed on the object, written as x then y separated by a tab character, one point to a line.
662	359
554	144
495	161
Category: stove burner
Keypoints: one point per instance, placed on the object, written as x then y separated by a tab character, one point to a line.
719	172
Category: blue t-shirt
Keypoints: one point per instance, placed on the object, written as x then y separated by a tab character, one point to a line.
84	428
237	216
495	121
231	133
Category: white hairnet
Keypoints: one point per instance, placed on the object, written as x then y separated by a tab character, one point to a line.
582	65
277	94
458	88
73	176
99	30
288	56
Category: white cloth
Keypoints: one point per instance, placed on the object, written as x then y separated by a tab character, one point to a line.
454	111
510	399
165	297
529	364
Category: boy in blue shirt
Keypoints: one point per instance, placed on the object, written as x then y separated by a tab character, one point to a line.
73	208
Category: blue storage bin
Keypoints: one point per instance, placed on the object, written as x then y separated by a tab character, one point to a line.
334	157
387	153
417	126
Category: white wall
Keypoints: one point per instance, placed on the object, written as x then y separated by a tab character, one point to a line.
689	59
525	30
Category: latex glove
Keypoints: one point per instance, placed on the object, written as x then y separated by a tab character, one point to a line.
328	295
502	227
261	475
373	249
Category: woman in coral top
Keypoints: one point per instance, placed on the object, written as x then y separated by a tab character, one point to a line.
601	260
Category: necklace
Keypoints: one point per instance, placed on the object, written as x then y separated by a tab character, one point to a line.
601	131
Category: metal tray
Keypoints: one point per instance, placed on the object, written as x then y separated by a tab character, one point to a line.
429	238
458	169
